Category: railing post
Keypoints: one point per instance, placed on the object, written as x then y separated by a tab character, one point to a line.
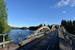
3	40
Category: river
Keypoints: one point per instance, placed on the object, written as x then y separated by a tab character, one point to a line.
16	33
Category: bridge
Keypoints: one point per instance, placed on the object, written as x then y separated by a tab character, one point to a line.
45	38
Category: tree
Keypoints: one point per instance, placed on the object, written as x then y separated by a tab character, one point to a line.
63	23
4	27
69	26
35	27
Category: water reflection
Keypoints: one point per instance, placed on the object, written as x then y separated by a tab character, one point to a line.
17	33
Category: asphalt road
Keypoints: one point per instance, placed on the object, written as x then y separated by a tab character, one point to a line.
46	42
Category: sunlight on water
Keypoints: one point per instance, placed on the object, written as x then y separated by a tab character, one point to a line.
17	33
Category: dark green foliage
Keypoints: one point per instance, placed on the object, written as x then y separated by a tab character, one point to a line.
57	26
69	26
19	28
23	28
4	27
35	27
50	26
6	38
1	38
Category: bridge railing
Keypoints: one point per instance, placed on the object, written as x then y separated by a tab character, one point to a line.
4	42
65	33
69	39
32	36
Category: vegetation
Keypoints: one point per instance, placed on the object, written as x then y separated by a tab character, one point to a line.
69	26
35	27
23	28
32	27
19	28
50	26
4	27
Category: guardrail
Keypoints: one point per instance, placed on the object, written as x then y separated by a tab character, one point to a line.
3	43
29	38
69	39
65	33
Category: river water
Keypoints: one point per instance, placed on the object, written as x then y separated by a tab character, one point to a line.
17	33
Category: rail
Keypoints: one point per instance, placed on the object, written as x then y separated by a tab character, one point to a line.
36	34
69	39
3	43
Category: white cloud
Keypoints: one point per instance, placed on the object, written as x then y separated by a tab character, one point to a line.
62	3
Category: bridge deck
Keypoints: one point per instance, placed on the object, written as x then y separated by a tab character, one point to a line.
47	42
55	40
10	47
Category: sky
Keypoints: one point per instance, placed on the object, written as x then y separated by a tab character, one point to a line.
35	12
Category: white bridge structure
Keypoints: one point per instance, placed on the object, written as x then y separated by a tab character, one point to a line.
42	30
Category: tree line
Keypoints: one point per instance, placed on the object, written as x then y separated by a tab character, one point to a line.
40	25
69	25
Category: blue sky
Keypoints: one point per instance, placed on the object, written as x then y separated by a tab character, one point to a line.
35	12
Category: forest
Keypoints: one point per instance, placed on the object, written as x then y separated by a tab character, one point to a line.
69	25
